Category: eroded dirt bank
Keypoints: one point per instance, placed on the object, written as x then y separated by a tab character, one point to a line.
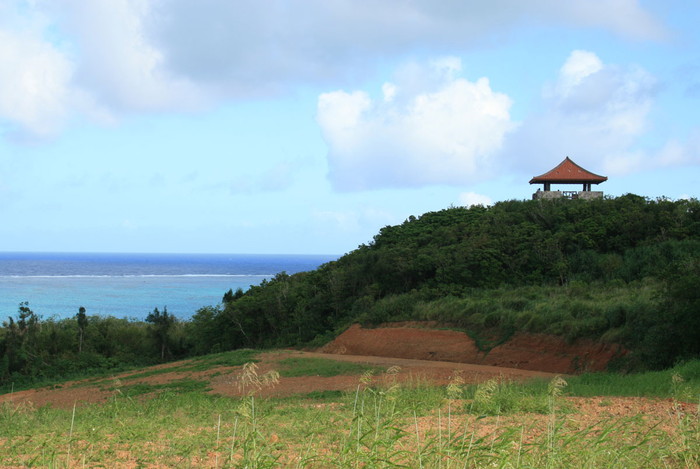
421	353
524	351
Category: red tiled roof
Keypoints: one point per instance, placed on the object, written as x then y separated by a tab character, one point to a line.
568	172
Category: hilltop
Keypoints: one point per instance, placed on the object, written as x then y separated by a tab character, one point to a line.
622	270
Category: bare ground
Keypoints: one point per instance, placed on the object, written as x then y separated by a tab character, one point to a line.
422	355
424	341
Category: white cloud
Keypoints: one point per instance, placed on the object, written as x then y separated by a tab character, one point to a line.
598	114
624	17
107	58
119	64
388	91
445	134
35	92
246	46
594	112
70	58
468	199
580	65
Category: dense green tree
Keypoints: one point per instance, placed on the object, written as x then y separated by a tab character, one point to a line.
230	296
82	320
456	251
672	332
206	332
162	323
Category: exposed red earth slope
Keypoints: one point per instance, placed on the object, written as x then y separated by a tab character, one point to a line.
524	351
422	354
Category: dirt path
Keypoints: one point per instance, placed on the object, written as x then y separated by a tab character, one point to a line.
407	371
419	352
222	379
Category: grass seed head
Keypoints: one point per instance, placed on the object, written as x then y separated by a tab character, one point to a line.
455	388
366	377
486	391
556	386
249	379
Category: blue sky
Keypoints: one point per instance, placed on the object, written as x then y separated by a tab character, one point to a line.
305	127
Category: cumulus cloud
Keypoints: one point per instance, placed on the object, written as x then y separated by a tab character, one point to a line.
266	45
73	58
598	114
446	133
593	112
119	64
579	66
35	91
105	58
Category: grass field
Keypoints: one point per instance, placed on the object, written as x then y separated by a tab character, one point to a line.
578	422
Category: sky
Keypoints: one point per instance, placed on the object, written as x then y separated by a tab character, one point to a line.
248	126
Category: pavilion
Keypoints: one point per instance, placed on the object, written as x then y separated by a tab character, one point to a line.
568	172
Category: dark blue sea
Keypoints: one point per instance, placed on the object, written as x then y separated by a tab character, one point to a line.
132	285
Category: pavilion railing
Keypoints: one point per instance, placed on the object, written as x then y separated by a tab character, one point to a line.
567	195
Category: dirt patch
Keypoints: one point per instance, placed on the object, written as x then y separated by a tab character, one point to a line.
422	355
408	371
523	351
223	379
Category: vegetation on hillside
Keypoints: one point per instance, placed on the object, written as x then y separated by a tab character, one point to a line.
623	270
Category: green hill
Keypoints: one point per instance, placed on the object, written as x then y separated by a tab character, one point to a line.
623	269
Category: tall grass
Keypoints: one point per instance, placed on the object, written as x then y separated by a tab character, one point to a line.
597	310
382	423
681	382
574	309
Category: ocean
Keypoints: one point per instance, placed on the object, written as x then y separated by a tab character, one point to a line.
132	285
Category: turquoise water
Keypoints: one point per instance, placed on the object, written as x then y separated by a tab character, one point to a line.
131	285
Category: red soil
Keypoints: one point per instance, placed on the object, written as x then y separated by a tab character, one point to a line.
422	354
525	351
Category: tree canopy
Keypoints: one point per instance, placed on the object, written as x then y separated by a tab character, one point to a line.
459	252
